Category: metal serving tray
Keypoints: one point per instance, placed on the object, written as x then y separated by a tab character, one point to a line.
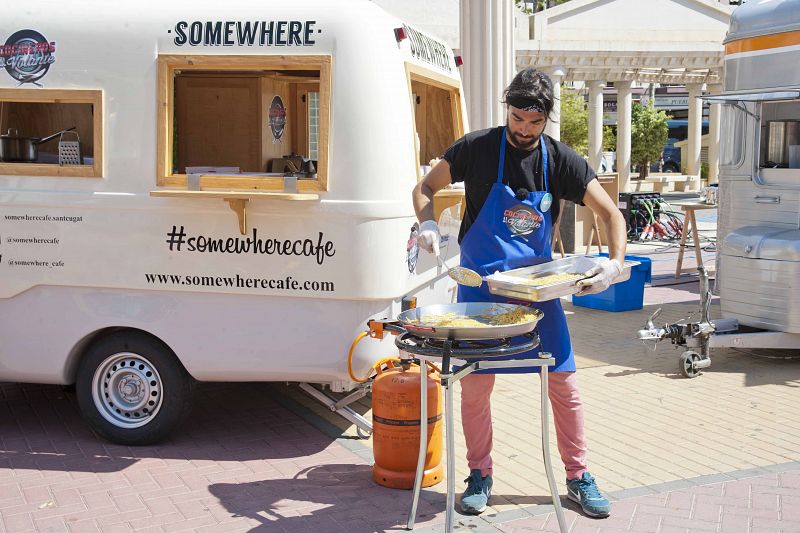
511	283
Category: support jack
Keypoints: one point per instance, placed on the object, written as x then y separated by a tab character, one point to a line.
341	407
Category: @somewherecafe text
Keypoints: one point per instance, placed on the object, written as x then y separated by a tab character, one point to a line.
320	248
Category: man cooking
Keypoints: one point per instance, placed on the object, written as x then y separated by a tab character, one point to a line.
514	178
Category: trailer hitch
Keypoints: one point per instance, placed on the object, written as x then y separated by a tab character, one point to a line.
689	334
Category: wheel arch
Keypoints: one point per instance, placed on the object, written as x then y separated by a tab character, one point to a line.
82	346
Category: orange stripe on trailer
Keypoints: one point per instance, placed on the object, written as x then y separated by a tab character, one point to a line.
763	42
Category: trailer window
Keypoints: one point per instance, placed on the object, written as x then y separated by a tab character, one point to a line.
244	122
30	117
779	153
731	153
436	102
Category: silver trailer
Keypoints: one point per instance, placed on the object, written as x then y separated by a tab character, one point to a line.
758	261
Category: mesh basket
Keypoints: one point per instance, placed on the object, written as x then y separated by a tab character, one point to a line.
69	152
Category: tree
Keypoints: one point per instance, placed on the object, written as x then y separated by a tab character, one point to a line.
609	139
533	6
574	120
648	135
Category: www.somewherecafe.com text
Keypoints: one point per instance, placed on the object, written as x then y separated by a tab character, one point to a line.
286	283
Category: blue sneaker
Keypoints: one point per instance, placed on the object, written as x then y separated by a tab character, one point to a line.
584	491
479	490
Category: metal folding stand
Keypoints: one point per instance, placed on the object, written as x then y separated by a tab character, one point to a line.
448	378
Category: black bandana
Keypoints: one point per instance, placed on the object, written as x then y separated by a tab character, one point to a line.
525	104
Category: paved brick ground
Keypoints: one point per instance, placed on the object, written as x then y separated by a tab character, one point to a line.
720	452
244	461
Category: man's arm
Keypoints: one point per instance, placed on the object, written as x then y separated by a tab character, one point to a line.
603	206
438	178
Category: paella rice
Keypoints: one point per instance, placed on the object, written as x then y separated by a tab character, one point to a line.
518	315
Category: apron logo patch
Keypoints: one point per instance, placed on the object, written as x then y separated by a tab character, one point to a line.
522	220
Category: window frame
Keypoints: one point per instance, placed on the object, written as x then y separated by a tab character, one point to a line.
423	75
167	64
772	177
60	96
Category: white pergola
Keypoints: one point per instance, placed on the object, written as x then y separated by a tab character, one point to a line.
627	42
589	41
595	42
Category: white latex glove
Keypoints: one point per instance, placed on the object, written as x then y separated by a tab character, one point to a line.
428	237
601	277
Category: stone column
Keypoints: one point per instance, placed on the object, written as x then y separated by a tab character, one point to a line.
624	105
487	46
695	130
595	124
713	137
553	128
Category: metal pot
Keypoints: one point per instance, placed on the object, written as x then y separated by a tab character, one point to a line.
17	149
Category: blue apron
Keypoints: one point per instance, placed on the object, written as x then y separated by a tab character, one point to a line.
508	234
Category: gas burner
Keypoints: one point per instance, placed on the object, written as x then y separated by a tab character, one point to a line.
464	349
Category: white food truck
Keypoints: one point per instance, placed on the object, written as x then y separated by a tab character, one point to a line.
227	196
758	258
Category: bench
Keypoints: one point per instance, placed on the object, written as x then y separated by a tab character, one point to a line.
661	183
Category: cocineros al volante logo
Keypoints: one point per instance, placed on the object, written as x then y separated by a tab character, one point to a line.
522	220
27	56
277	118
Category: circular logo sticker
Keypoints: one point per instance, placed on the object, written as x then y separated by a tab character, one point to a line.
277	118
27	56
547	201
521	220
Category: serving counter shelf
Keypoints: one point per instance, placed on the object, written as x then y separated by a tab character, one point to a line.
237	200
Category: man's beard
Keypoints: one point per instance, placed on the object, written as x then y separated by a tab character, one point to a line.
523	143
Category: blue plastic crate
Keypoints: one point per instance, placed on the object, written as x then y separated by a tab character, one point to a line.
625	296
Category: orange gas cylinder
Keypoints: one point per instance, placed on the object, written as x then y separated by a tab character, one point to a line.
396	424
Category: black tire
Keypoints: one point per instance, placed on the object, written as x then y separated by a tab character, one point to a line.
670	167
686	364
132	389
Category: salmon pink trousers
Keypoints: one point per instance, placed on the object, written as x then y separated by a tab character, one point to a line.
476	420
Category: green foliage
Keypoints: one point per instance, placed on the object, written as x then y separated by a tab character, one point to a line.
574	120
648	135
609	139
704	171
533	6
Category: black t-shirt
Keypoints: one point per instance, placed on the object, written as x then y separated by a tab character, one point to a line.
474	159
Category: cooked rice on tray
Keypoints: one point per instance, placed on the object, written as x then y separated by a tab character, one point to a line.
552	279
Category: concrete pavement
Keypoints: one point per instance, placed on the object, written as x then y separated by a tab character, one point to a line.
720	452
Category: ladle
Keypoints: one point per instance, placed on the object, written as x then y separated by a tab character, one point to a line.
461	275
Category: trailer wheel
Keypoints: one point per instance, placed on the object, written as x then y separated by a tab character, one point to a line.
686	366
132	389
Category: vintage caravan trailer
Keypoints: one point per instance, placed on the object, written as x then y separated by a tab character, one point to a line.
758	259
232	201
